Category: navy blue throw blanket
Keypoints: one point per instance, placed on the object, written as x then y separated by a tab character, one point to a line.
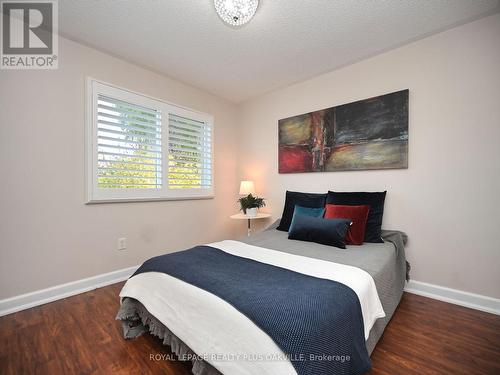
316	322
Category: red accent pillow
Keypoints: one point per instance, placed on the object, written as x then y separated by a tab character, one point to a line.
358	215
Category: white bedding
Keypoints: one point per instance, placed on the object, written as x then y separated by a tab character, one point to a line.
222	335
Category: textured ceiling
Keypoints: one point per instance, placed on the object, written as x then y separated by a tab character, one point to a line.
287	41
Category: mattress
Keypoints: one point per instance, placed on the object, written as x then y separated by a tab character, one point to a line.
384	262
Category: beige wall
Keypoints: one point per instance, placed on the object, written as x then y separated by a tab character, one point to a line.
47	235
448	200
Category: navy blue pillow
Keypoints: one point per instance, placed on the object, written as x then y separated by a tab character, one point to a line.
330	232
294	198
299	210
375	215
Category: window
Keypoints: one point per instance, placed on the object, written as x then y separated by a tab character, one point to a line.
139	148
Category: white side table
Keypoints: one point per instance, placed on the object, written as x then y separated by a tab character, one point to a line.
241	216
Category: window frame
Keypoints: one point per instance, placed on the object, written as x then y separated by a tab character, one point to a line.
94	194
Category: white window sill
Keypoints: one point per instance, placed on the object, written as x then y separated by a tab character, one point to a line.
134	200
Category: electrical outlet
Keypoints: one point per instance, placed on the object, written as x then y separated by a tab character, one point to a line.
122	243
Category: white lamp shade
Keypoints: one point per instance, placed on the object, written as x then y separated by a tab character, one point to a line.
247	187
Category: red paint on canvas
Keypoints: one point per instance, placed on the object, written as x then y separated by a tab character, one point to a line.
294	159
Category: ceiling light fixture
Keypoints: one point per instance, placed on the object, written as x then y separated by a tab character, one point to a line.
236	12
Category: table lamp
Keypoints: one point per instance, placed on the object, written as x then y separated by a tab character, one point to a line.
247	187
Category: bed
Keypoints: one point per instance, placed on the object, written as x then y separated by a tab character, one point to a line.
217	338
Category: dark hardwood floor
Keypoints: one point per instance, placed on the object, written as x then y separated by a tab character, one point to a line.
78	335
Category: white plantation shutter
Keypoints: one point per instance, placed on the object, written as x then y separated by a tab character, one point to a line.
129	153
189	153
139	148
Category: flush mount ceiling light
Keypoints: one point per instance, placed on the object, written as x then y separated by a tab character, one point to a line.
236	12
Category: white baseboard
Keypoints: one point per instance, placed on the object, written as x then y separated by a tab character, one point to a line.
40	297
457	297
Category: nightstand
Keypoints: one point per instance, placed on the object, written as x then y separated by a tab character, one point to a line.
249	219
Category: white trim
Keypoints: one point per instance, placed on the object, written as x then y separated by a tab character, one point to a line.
457	297
40	297
93	194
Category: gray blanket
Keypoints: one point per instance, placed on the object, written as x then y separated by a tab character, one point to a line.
385	262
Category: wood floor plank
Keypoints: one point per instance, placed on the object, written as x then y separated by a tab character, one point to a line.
79	335
426	336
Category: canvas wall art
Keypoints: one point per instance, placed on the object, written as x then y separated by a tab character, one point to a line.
367	134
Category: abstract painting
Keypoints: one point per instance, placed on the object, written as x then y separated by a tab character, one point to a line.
367	134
